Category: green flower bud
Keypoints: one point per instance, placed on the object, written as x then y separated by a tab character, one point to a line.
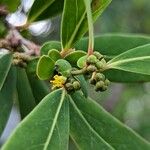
99	77
91	68
103	88
76	85
99	65
91	59
99	85
107	82
69	86
98	55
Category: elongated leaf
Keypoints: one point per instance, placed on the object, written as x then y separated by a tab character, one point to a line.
82	133
114	44
50	45
45	128
109	128
11	5
121	76
111	45
43	9
7	97
5	64
135	60
74	22
39	88
25	95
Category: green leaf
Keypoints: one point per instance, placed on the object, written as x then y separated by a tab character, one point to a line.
46	127
45	67
83	135
5	64
115	75
73	57
6	98
63	67
11	5
74	20
25	96
109	128
43	9
50	45
39	88
112	44
54	54
135	60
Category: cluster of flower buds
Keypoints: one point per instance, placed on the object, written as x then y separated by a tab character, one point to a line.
95	65
72	85
100	82
95	62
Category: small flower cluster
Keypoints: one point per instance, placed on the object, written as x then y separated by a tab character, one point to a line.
72	85
95	65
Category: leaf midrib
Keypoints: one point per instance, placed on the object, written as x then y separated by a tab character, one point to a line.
87	123
54	121
113	64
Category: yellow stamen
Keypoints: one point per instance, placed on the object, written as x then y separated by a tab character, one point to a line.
58	81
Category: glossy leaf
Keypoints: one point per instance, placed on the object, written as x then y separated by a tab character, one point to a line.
25	95
6	98
45	67
74	21
5	64
83	135
46	9
121	76
111	45
54	54
46	127
114	44
109	128
11	5
73	57
63	67
50	45
39	88
135	60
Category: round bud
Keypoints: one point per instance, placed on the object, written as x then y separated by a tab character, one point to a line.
91	59
103	61
69	86
100	84
99	65
91	68
107	82
99	77
92	81
76	85
98	55
103	88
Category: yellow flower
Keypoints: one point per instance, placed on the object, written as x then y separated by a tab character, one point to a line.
58	81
